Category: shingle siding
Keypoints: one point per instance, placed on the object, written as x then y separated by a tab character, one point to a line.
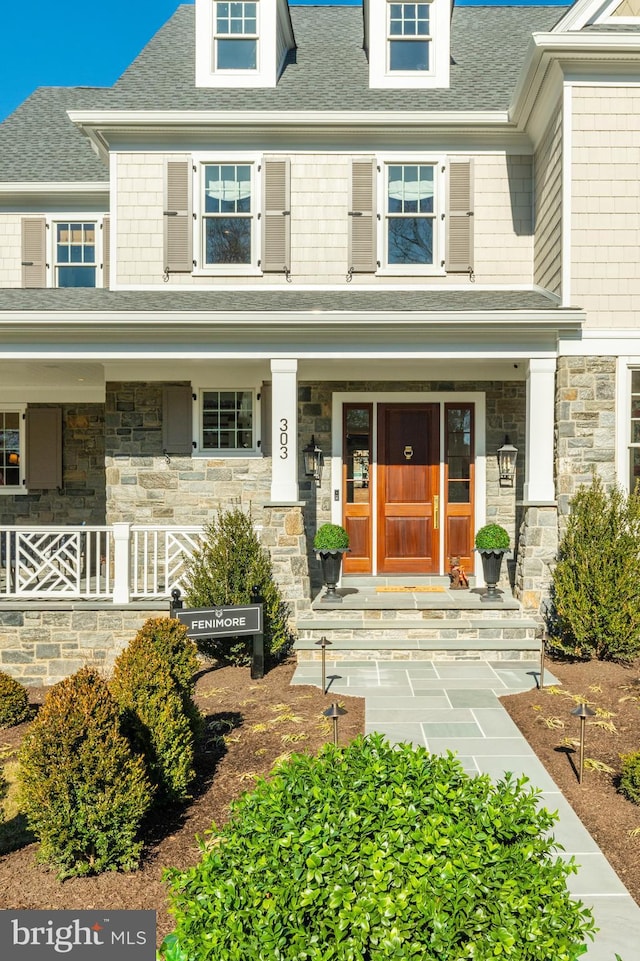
548	207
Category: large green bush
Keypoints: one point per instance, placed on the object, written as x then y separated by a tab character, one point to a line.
82	789
630	777
154	718
230	562
14	701
374	852
596	587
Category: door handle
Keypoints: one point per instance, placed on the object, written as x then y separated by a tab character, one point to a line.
436	512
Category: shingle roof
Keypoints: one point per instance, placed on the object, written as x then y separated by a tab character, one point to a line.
292	299
328	72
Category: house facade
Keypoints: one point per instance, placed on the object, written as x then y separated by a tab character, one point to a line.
402	234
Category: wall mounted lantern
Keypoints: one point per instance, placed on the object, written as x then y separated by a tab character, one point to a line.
313	461
507	456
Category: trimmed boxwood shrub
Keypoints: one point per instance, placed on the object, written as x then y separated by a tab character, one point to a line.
377	852
331	537
82	790
596	589
14	701
154	718
492	537
230	562
630	778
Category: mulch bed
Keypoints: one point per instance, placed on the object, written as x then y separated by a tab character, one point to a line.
545	720
255	719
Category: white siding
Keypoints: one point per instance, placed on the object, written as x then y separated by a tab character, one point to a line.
10	250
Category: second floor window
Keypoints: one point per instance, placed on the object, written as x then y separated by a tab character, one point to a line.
75	254
410	214
236	40
228	214
409	36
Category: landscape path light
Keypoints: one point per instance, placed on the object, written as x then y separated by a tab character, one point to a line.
323	643
334	712
583	712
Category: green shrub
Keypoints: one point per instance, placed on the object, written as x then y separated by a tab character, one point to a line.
4	787
170	640
14	701
630	779
82	790
223	571
154	718
492	537
596	588
331	537
379	852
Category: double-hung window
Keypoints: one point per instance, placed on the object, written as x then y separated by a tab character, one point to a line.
75	260
236	35
11	443
408	36
410	214
227	420
634	437
228	215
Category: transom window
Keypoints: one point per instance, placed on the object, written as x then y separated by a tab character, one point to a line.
409	36
236	39
75	254
10	458
228	214
410	214
227	420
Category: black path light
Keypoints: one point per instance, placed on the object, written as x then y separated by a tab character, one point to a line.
544	637
334	712
583	712
323	643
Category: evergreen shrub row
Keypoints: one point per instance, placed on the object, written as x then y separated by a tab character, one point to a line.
379	852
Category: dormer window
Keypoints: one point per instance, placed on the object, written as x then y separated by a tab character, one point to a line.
236	38
409	36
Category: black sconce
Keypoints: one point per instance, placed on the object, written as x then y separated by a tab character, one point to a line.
507	456
313	461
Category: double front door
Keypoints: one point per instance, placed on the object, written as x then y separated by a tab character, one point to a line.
407	486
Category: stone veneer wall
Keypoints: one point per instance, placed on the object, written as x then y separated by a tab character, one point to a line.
145	487
43	646
82	497
505	414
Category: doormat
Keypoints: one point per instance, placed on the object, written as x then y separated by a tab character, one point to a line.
415	589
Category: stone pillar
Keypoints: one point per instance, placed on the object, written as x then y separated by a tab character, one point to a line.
537	551
284	431
539	486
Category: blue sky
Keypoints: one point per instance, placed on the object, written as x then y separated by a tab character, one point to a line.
79	43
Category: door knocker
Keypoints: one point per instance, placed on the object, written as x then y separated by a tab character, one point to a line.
408	452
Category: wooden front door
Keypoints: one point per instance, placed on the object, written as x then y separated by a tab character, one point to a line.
357	442
408	494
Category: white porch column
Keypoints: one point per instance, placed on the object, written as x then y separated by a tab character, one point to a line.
538	485
121	563
284	431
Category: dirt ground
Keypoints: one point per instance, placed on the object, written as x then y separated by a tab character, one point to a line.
251	723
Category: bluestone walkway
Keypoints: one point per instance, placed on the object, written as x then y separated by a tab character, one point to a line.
447	705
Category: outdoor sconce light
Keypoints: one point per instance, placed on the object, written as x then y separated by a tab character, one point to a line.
507	455
313	461
324	643
583	712
334	712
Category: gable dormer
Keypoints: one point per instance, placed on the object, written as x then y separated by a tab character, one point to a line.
241	43
594	13
408	43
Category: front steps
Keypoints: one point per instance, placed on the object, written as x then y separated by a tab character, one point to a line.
420	625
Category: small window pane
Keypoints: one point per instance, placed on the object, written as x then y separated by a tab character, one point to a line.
635	468
237	54
228	240
459	492
410	240
76	276
408	55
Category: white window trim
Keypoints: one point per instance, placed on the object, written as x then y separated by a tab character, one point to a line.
21	410
218	453
623	418
76	218
266	73
200	161
380	76
437	269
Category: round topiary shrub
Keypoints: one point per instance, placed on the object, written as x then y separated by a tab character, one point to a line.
82	790
154	718
630	777
331	537
230	562
492	537
377	851
14	701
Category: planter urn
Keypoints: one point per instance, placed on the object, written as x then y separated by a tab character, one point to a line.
491	567
331	566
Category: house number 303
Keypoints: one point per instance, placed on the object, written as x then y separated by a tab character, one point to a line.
284	438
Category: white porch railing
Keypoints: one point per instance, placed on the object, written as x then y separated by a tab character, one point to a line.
121	563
